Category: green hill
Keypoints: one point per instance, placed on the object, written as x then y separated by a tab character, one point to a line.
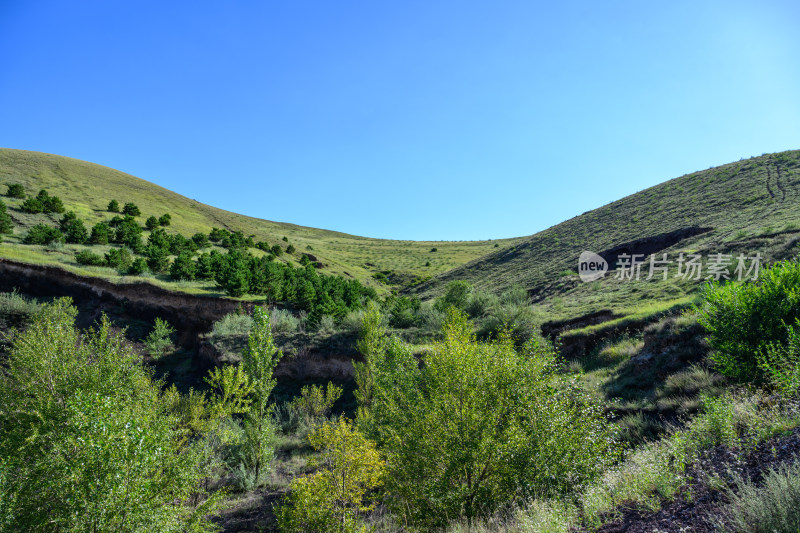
745	207
87	188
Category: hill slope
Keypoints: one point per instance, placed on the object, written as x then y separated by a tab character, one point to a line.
744	207
87	188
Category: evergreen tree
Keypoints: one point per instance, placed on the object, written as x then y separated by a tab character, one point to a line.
6	224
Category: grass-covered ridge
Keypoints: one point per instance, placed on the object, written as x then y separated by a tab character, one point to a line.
87	188
744	207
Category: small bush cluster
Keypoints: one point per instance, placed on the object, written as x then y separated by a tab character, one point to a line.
43	203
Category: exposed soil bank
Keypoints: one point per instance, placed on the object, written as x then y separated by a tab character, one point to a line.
191	315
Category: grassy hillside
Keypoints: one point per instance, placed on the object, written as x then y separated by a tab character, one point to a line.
87	188
744	207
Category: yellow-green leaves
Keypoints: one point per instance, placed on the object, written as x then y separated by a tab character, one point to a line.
332	499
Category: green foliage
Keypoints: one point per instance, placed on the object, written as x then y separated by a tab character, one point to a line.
743	318
138	267
283	321
290	249
113	206
780	362
101	233
43	234
201	240
43	203
217	234
131	209
159	341
480	425
157	258
772	506
457	294
165	219
15	190
119	258
371	345
276	250
315	401
403	311
151	223
232	389
6	224
73	228
129	233
183	267
254	454
231	325
87	435
335	497
87	257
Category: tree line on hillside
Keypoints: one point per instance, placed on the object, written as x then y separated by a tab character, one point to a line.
238	272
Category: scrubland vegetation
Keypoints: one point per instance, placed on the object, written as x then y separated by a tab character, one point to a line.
487	429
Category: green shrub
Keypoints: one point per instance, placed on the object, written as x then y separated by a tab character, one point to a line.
283	321
43	203
101	233
315	401
15	303
780	362
151	223
15	190
87	257
131	209
459	429
6	224
129	233
770	507
743	318
159	341
201	240
119	258
276	250
335	497
290	249
457	294
232	325
73	228
43	234
138	267
113	206
183	267
87	439
165	219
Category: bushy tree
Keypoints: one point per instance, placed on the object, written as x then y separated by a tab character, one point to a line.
138	267
86	257
201	240
6	224
113	206
129	233
259	360
335	497
88	439
101	233
457	294
480	425
151	223
73	228
743	318
157	258
15	190
276	250
165	219
290	249
183	267
43	203
316	401
131	209
159	341
43	234
119	258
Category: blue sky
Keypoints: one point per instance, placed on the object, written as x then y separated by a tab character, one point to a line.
448	120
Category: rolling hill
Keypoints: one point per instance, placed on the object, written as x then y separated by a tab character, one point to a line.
86	188
750	206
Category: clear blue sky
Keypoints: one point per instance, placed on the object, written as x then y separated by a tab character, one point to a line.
414	120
